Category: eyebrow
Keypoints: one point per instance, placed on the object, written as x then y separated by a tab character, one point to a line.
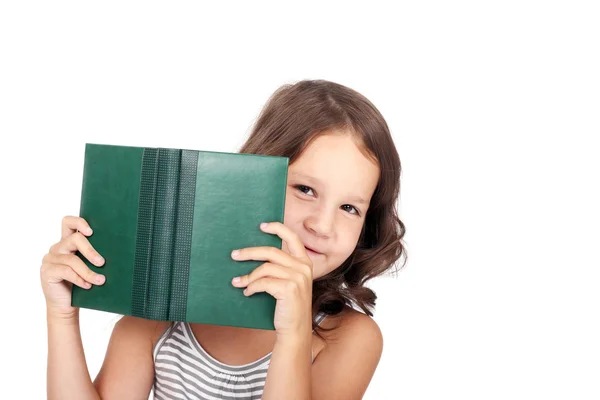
356	199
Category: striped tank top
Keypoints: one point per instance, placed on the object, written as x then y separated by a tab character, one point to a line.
184	370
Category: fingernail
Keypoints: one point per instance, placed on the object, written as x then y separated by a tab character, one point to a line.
99	279
89	230
99	259
235	253
236	279
263	225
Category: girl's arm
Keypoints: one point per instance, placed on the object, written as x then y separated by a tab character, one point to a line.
128	368
288	376
67	373
342	370
347	364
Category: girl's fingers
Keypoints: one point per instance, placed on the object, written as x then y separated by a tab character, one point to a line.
275	256
265	253
71	224
292	239
68	274
77	265
275	287
78	242
266	269
55	273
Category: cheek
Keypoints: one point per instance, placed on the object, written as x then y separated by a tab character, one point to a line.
349	230
348	239
290	209
346	242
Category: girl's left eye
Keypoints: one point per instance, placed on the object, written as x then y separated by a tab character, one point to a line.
348	205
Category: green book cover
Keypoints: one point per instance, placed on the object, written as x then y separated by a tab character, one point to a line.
166	221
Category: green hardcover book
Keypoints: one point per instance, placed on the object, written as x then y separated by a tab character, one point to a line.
166	221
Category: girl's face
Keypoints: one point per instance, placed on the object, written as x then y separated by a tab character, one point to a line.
328	192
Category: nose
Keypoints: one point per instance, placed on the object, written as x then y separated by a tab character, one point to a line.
320	222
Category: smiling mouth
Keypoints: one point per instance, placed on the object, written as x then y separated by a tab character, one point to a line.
312	251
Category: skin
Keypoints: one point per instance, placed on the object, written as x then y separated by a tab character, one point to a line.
323	213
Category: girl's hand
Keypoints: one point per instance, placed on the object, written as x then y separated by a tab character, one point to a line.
61	267
287	277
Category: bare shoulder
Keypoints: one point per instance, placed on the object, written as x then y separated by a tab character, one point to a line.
352	327
148	330
346	364
128	367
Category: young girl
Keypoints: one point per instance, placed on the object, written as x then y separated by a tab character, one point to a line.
340	229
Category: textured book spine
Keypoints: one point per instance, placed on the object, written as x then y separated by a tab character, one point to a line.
164	231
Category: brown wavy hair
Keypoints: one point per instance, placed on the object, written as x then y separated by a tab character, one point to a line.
291	119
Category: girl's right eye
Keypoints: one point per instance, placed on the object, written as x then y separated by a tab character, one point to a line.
302	187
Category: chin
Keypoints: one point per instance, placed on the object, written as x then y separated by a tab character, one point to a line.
319	272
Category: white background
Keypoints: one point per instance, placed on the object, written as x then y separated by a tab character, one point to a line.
494	108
